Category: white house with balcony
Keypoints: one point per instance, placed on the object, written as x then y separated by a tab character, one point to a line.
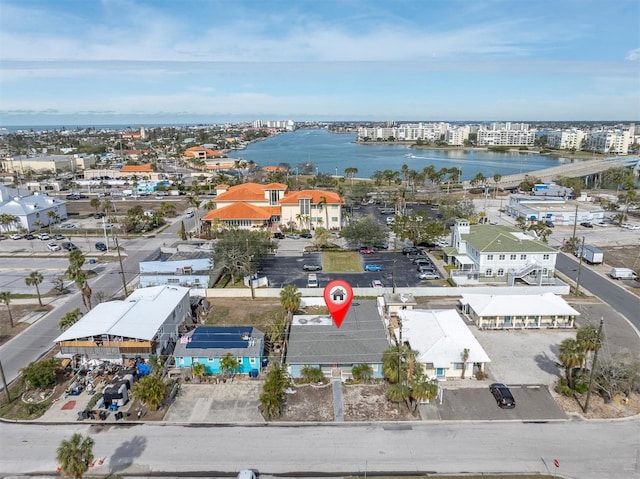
498	254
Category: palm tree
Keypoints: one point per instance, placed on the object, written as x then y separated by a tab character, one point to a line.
198	370
290	299
399	393
95	203
229	364
587	336
571	356
322	204
6	221
74	455
69	319
422	390
52	216
35	278
496	179
150	390
465	358
5	297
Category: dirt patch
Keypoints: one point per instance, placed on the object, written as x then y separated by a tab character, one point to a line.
598	409
368	402
18	312
621	256
258	313
309	403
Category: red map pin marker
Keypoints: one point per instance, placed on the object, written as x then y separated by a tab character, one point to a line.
338	296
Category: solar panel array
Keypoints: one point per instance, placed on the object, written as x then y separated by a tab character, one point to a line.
205	337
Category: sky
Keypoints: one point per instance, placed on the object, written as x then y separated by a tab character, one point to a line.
96	62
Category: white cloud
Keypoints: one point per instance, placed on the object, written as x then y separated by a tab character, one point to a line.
633	55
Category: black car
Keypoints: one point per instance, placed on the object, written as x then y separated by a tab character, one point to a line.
410	250
278	235
29	236
69	246
586	224
306	235
312	267
101	246
503	396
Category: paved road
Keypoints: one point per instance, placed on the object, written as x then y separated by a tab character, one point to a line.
622	301
35	341
585	450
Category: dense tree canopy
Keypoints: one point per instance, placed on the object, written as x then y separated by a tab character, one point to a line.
366	231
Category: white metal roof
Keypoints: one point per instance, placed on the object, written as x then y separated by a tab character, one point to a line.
440	336
139	316
545	304
464	259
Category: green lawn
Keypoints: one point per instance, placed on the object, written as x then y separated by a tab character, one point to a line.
341	262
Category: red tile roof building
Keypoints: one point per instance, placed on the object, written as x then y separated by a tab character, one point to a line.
252	205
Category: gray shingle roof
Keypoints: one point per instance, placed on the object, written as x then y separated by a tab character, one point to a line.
360	339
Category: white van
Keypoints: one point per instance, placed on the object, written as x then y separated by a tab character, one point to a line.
312	281
623	273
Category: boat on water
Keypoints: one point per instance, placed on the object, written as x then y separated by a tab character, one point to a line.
410	155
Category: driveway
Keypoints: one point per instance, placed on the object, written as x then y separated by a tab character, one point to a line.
533	403
230	402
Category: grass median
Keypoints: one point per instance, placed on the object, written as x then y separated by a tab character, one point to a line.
341	262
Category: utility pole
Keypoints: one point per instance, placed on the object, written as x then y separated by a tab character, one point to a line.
593	365
577	291
575	221
124	279
4	383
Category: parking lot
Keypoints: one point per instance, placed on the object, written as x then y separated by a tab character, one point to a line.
283	270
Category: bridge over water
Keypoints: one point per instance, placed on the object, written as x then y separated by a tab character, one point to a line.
577	168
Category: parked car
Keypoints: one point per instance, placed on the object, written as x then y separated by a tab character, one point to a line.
293	236
601	224
29	236
420	260
15	236
59	237
69	246
381	245
410	250
428	275
278	235
101	246
53	246
98	216
366	250
503	396
306	235
549	224
633	227
373	267
376	283
586	224
426	268
43	236
312	267
247	474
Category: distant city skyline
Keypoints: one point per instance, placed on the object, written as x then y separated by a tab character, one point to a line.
163	62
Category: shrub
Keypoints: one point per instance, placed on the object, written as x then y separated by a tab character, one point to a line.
563	388
362	372
312	374
480	375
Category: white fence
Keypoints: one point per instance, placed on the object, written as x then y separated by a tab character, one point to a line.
373	292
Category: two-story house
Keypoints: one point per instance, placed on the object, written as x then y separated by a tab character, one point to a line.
498	254
252	205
